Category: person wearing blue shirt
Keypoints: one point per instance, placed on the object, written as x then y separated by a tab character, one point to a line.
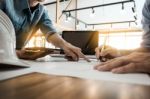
129	61
27	17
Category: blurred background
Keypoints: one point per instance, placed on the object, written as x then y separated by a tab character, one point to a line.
119	20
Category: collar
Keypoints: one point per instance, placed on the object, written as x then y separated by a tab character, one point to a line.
24	6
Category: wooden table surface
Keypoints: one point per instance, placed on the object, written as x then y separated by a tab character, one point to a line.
42	86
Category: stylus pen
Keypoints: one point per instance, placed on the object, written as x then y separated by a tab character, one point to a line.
101	58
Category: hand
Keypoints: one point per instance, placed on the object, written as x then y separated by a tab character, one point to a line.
132	63
108	52
73	53
33	53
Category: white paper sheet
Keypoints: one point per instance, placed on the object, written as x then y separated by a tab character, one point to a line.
81	69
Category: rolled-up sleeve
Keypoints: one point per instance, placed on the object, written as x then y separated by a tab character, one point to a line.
46	25
146	24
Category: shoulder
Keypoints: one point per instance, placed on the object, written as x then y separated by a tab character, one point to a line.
41	7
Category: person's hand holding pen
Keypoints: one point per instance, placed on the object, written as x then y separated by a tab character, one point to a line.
104	53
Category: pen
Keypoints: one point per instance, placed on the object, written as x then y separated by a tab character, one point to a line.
101	58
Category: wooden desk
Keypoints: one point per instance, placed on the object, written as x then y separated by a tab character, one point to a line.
42	86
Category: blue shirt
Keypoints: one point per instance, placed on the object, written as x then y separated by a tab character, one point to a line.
146	24
26	22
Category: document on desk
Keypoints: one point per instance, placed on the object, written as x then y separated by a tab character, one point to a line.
83	69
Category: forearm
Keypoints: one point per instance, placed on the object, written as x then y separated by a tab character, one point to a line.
56	40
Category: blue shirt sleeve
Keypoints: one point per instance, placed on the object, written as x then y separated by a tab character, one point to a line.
146	24
46	25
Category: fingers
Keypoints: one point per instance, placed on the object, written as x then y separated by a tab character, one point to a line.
76	54
33	55
102	64
108	66
97	52
69	58
71	53
128	64
83	56
106	54
129	68
132	67
119	66
40	54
